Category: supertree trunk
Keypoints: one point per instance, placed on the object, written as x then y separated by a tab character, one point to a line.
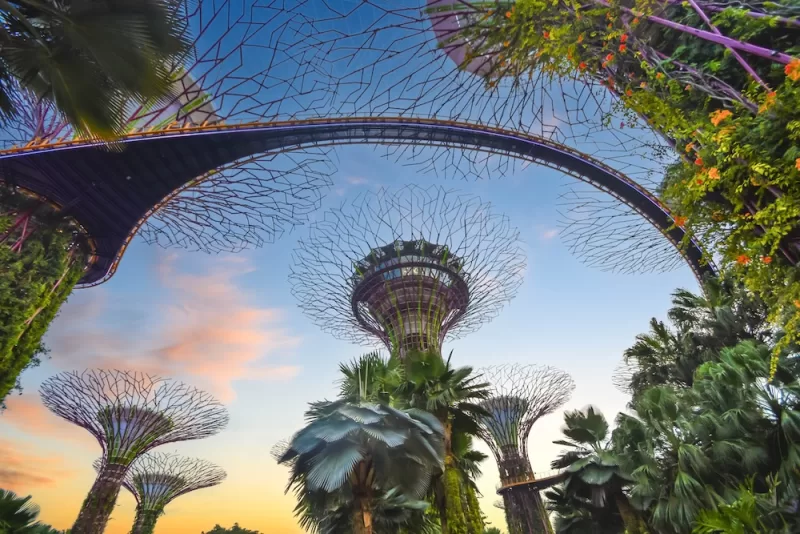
145	522
525	511
97	507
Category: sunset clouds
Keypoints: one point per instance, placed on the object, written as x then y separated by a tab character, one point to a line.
205	329
22	469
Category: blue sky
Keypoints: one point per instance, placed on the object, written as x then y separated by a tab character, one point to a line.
229	323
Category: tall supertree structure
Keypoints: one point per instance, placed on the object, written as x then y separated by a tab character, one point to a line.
129	413
521	395
407	268
155	479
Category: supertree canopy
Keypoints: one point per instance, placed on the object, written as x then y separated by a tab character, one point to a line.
155	479
521	395
129	413
407	268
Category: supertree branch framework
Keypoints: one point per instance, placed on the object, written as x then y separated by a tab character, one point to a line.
156	479
410	58
520	396
244	66
129	413
408	268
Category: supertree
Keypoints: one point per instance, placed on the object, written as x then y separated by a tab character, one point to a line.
155	479
409	58
521	395
241	67
719	81
407	268
129	413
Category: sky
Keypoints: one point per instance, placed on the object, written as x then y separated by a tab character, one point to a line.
229	324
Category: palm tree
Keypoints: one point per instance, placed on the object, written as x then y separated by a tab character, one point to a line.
592	466
17	514
357	465
451	394
577	515
425	381
90	59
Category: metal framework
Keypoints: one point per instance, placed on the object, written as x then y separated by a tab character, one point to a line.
262	61
409	58
407	268
241	68
156	479
129	413
520	396
64	171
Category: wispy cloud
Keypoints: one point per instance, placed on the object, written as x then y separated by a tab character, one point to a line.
356	180
22	469
27	413
205	329
548	234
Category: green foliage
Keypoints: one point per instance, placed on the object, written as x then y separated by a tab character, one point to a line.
235	529
36	281
18	516
79	56
454	511
736	185
355	459
492	530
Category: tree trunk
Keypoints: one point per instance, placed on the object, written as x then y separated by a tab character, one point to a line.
99	504
633	524
362	516
145	522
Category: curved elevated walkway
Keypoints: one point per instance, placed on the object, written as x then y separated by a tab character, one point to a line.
111	193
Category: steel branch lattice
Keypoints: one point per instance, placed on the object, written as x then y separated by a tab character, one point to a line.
156	478
466	263
520	396
130	413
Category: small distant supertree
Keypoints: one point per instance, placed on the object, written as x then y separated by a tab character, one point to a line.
129	413
407	268
520	396
157	478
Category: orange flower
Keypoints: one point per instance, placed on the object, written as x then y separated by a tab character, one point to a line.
629	92
643	85
680	220
687	88
508	14
546	34
609	57
719	116
769	101
699	181
582	65
689	147
698	162
622	48
743	259
797	163
792	70
623	38
797	303
713	173
506	43
580	38
603	64
766	259
635	20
